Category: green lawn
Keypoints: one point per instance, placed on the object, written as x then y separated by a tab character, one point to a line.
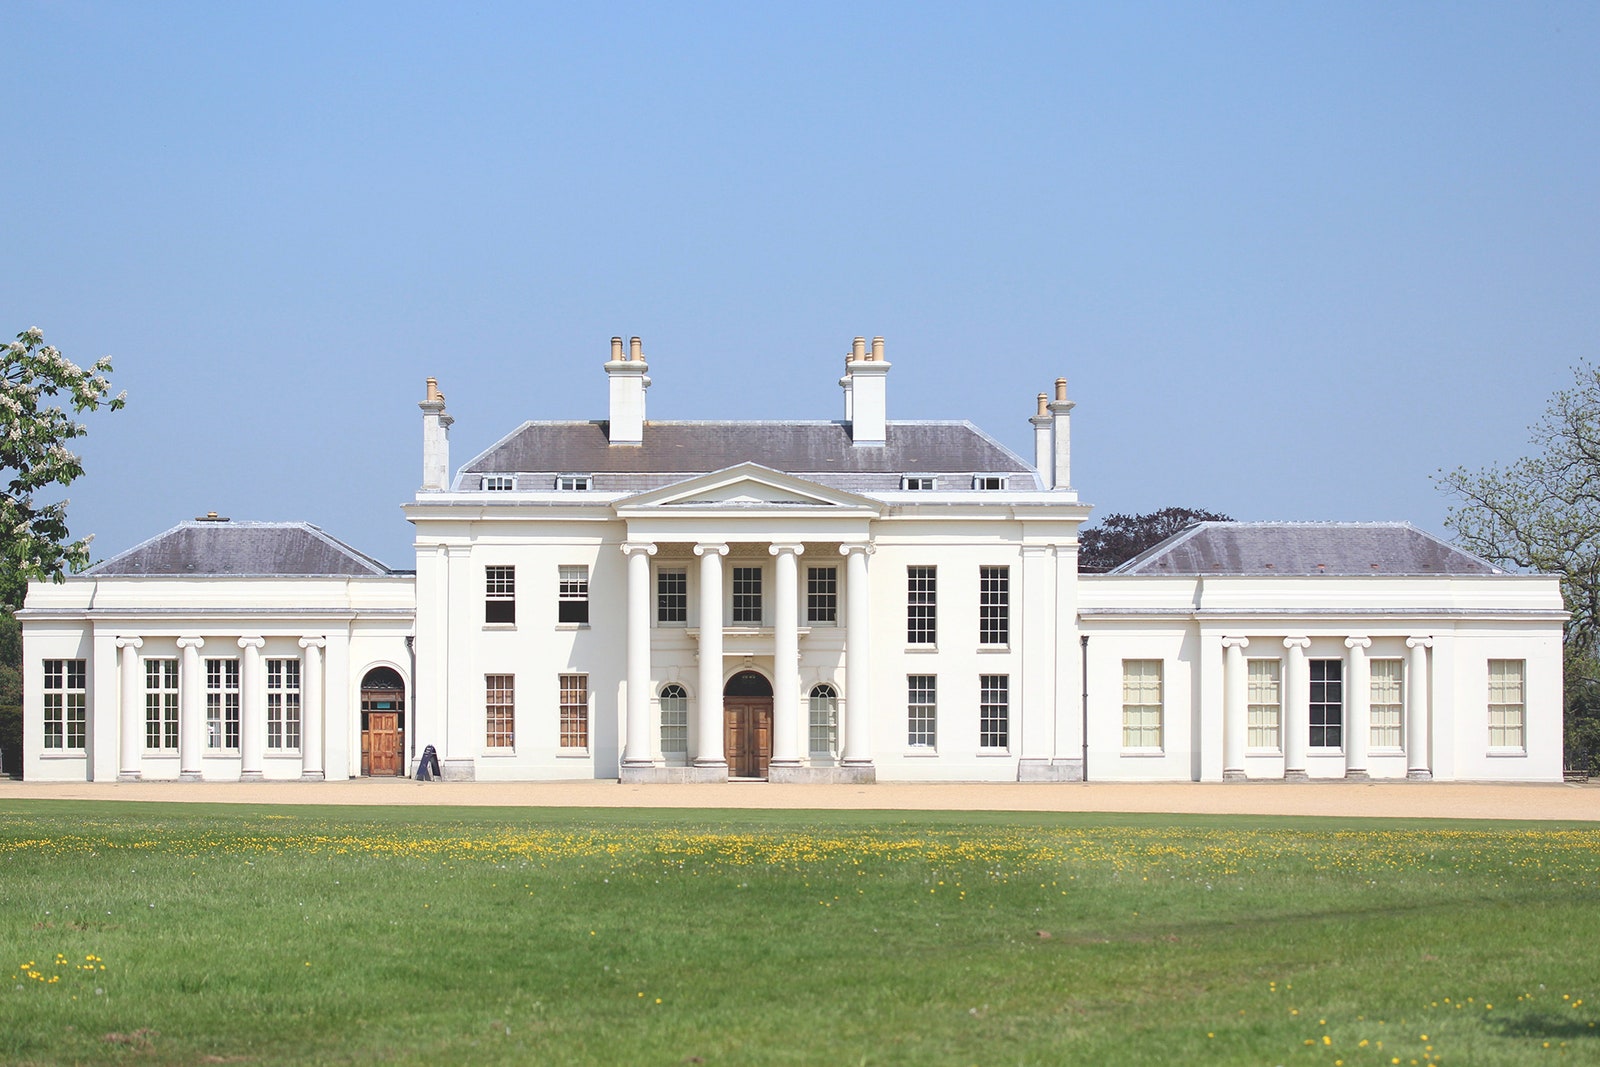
154	934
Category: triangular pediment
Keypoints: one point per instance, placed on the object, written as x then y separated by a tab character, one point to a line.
747	486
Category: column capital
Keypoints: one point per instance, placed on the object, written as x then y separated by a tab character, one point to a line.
253	642
629	548
779	549
1235	642
1297	642
710	549
1358	642
130	642
1419	642
191	642
313	642
866	549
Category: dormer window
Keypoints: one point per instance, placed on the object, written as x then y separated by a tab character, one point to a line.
924	482
499	483
988	481
574	481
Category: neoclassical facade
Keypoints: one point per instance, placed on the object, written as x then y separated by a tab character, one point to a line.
848	600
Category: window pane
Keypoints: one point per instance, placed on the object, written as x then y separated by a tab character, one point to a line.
573	599
674	720
994	711
823	728
1327	703
500	711
500	594
921	711
747	595
1141	703
574	711
994	605
822	595
1265	688
921	605
672	596
1387	702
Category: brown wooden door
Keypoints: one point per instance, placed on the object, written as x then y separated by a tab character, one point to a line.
747	737
380	743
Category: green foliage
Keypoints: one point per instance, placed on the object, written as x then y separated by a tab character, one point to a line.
11	740
285	934
34	541
1542	513
10	658
1119	537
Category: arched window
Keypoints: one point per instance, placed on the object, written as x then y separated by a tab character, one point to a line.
824	723
674	720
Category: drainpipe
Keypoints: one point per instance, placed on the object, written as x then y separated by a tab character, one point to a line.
411	709
1083	641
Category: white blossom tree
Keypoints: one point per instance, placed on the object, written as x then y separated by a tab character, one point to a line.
34	432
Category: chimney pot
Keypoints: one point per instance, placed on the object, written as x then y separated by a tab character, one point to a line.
1044	405
434	396
616	350
877	349
1061	389
635	350
858	349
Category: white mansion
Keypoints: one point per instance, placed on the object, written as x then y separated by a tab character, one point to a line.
798	601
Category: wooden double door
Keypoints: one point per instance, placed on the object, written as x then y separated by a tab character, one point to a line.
747	735
383	732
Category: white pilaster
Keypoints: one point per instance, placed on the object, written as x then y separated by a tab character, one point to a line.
311	710
786	655
708	743
1358	707
857	658
252	713
191	709
132	730
637	748
1235	708
1296	709
1418	766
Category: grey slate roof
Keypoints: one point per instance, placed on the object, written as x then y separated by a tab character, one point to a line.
794	447
215	548
1305	548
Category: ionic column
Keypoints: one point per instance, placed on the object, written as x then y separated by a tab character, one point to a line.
311	768
857	658
786	655
1418	766
637	749
191	709
708	748
252	716
1358	705
1235	718
1296	709
132	707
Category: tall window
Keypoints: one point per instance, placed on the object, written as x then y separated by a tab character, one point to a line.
994	605
1264	686
283	704
1506	703
994	710
922	608
500	710
672	596
161	704
66	703
1387	699
922	711
574	711
1327	703
747	596
822	595
573	597
500	594
222	703
1141	703
823	728
674	720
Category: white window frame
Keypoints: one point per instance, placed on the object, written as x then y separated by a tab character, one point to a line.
498	483
572	595
991	483
283	704
500	594
1386	703
574	718
919	483
500	712
1143	718
673	716
922	713
822	596
1342	704
161	703
574	483
822	721
733	605
994	607
1258	709
994	713
1510	733
66	705
922	607
223	695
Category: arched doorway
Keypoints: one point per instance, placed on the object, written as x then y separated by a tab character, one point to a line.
383	722
747	733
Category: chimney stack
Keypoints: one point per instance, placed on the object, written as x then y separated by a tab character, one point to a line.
867	393
1043	454
628	383
435	440
1061	412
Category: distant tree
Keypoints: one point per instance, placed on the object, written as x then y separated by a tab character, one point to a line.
1119	538
10	694
34	541
1542	513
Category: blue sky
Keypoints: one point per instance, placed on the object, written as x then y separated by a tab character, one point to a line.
1293	258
